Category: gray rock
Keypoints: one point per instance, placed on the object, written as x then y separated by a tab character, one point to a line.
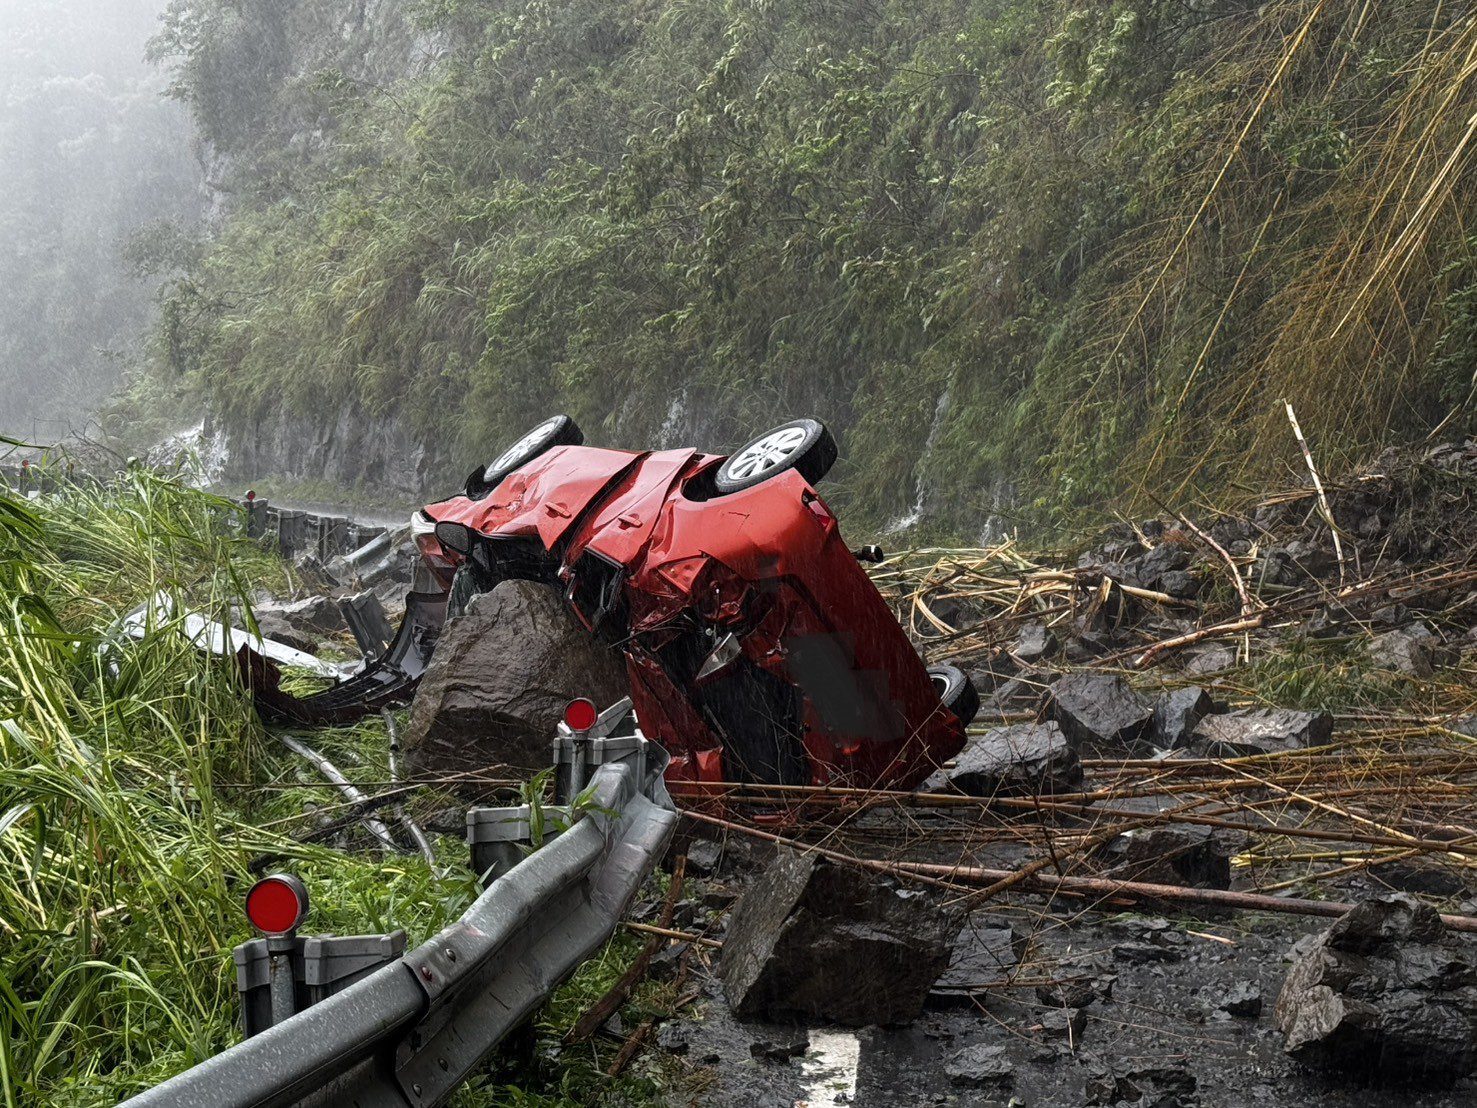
1166	558
274	627
1214	659
1064	1023
1384	995
500	679
1034	643
813	938
1261	731
1099	709
1025	758
311	616
1174	854
1176	715
1142	1086
674	1038
985	951
1413	650
781	1048
979	1065
1242	1000
1181	584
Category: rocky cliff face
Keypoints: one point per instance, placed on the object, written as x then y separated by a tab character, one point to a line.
338	444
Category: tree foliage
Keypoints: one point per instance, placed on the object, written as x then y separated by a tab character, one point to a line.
1074	253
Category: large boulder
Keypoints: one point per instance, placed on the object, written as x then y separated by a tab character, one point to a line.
813	938
1026	758
1261	731
500	679
1099	709
1386	994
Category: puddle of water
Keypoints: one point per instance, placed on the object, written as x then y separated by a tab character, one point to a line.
828	1070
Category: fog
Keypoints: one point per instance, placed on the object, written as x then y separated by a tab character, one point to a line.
91	153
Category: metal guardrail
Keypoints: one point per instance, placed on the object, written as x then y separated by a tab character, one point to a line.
410	1033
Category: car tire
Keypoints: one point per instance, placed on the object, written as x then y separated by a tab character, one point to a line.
804	445
557	430
956	691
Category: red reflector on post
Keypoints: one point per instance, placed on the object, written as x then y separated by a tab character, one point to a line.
275	905
580	714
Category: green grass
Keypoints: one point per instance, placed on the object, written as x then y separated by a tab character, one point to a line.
136	788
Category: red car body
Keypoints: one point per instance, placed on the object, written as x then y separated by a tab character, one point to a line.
652	558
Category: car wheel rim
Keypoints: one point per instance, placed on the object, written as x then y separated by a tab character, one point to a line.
767	453
523	445
940	684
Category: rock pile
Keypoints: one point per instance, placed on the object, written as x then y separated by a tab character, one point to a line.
1384	994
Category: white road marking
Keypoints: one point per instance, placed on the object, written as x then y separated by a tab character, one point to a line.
829	1069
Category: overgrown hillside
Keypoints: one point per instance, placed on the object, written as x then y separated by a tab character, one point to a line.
1059	254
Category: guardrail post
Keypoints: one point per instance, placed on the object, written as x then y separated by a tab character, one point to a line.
280	949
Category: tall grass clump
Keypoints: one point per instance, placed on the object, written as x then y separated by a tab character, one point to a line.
133	780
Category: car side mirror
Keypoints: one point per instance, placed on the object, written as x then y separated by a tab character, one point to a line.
456	537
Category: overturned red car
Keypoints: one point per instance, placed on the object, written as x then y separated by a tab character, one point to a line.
757	647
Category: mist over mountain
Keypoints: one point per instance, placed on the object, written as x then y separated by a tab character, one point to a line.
91	153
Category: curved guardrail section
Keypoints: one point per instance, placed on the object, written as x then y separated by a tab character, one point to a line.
410	1033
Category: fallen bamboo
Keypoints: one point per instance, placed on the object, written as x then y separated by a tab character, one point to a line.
1094	887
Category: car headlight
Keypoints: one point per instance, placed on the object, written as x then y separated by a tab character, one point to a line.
421	524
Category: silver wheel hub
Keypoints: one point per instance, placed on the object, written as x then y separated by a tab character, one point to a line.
523	445
765	454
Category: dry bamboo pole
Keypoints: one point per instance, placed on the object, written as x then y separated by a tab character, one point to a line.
1095	887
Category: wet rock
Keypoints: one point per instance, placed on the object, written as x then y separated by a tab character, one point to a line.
1275	567
1064	1023
1261	731
780	1048
1034	643
979	1065
1140	954
1143	1086
996	671
985	951
674	1038
273	626
500	679
1099	709
1413	650
1067	994
1176	854
1023	758
1243	1000
666	963
1385	995
1176	715
1214	659
818	939
703	856
1164	559
311	616
1181	584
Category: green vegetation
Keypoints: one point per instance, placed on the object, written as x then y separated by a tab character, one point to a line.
136	789
1074	252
